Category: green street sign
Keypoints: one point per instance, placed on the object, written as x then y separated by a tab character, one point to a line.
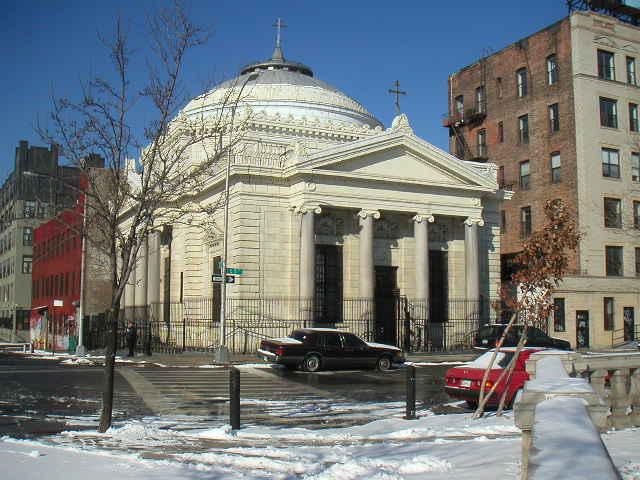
235	271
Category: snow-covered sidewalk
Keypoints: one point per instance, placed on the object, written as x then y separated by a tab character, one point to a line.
433	447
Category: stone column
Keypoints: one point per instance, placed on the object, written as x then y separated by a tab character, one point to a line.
421	233
153	279
472	257
307	261
130	289
308	251
367	271
142	270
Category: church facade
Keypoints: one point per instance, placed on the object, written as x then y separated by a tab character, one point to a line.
331	220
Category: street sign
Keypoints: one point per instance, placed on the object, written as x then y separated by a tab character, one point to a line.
235	271
219	278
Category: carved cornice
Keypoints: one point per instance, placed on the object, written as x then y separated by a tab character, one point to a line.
423	217
401	123
471	220
364	213
302	209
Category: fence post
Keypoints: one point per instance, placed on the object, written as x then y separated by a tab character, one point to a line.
410	413
147	343
234	398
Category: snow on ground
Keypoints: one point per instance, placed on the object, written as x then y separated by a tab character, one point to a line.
433	446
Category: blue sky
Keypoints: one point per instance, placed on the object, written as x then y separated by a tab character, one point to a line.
360	47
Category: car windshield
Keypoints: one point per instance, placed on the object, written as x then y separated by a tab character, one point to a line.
502	360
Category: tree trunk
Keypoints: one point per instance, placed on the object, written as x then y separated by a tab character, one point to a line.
109	366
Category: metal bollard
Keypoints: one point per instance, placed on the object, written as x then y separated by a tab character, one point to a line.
411	393
234	398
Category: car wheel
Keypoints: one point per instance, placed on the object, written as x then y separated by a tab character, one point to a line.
471	405
311	363
384	363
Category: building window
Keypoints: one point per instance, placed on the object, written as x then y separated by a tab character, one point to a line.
612	213
613	261
631	71
523	128
26	263
499	87
635	167
503	222
606	65
482	143
556	168
633	117
552	70
521	81
637	262
608	313
500	132
525	176
558	315
610	163
525	222
608	112
29	209
636	215
459	107
27	236
481	100
554	118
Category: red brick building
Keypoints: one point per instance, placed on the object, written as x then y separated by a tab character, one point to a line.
56	279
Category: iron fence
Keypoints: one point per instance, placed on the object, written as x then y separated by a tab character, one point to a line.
193	324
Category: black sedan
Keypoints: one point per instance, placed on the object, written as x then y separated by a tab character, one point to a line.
314	349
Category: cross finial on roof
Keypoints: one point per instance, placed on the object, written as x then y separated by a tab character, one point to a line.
398	92
279	26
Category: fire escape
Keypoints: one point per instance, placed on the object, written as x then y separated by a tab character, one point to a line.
461	122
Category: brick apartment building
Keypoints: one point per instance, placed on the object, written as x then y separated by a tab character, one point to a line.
557	111
34	192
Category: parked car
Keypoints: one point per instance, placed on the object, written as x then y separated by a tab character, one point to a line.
488	336
314	349
463	382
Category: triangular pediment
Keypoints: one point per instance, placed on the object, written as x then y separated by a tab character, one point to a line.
398	157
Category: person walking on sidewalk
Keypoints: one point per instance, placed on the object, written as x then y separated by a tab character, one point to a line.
132	338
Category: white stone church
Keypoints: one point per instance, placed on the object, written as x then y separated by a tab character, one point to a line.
330	216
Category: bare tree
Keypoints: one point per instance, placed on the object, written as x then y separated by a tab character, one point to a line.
544	262
134	198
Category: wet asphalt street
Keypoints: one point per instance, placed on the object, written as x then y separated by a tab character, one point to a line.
41	396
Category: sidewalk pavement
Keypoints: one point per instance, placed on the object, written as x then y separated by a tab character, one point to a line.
198	359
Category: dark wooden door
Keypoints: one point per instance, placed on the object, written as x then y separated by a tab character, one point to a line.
582	328
629	324
328	285
386	300
438	299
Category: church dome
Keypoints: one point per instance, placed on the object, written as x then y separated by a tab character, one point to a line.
283	89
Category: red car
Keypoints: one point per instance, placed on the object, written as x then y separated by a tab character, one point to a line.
463	382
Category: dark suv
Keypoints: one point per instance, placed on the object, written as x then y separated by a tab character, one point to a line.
488	335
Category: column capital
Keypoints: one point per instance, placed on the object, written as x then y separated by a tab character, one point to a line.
471	220
423	217
364	213
302	209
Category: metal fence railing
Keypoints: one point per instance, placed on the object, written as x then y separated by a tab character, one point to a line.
193	324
